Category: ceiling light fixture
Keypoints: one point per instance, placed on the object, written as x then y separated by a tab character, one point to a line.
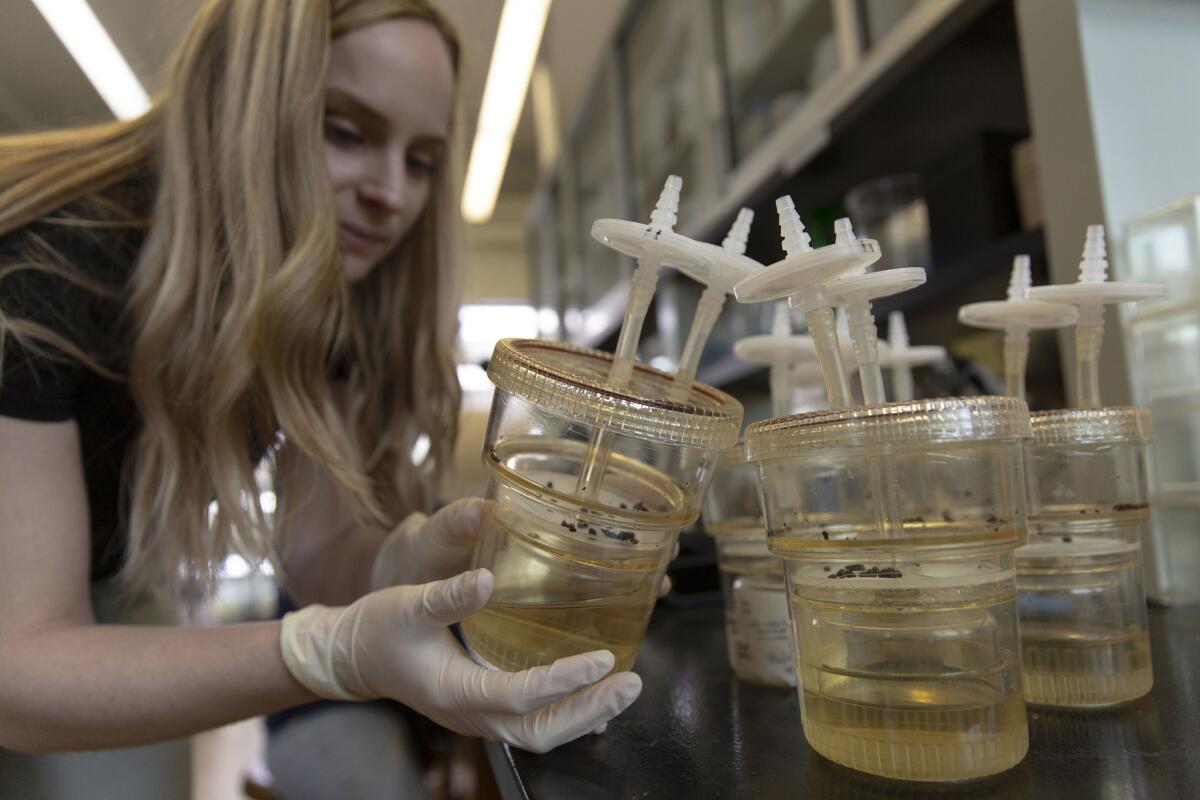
517	42
76	25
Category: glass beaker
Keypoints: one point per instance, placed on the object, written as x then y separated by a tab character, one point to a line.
757	630
897	525
1084	638
574	574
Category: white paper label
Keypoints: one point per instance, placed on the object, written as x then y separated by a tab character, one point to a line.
762	635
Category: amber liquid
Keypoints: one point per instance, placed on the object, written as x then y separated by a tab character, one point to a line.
950	730
1083	637
519	635
560	593
914	676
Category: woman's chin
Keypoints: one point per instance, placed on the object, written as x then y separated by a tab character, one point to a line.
356	267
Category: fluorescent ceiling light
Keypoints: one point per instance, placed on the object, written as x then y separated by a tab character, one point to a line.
89	44
517	42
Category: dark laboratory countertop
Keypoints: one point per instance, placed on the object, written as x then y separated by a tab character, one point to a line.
696	732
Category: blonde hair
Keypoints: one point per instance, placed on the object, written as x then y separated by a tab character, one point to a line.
237	306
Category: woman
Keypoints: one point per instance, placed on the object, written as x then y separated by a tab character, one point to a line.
258	265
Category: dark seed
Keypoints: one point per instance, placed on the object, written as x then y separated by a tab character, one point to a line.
912	520
825	535
1067	539
854	567
624	506
1083	511
825	568
890	573
1128	506
991	519
493	455
633	540
640	506
549	484
946	517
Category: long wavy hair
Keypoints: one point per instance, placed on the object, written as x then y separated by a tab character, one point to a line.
237	307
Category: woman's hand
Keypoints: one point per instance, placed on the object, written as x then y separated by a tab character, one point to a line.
423	549
394	643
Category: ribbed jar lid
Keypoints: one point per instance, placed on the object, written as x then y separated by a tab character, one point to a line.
572	381
951	419
1092	425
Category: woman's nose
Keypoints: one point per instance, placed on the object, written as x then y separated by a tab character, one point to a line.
386	185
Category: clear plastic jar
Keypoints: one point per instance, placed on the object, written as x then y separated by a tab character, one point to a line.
897	525
1084	640
757	630
577	572
1174	546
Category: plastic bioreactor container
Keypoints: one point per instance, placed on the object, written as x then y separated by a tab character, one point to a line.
757	630
572	573
1084	639
898	524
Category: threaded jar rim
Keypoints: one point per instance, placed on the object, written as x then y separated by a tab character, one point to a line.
942	420
572	381
1092	425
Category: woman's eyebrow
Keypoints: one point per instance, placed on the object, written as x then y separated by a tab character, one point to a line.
345	102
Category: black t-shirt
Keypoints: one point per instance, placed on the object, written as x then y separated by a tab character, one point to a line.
100	239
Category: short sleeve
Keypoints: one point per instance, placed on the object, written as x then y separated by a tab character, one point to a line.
39	381
37	386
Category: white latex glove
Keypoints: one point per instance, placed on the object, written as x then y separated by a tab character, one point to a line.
394	643
423	549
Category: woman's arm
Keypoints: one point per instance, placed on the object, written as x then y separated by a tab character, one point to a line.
69	684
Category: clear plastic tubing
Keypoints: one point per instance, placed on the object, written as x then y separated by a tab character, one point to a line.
757	631
779	372
578	574
856	292
1016	316
720	272
904	606
901	357
799	278
650	245
818	312
902	379
1090	295
1084	640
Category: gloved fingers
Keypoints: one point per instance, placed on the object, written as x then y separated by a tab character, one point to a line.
524	692
448	601
574	715
455	526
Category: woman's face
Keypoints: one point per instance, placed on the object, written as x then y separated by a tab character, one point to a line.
388	98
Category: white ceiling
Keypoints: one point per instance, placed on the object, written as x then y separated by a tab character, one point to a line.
42	87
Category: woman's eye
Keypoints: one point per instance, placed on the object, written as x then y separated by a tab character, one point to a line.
422	164
341	135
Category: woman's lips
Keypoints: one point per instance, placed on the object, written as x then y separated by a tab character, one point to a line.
358	242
